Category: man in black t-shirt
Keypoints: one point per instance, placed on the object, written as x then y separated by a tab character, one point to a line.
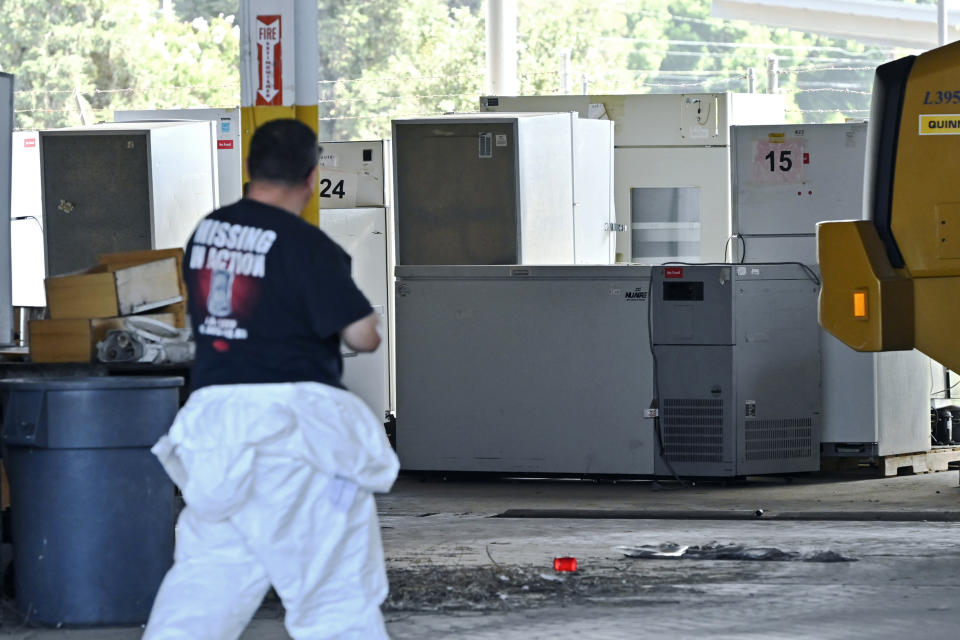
276	460
271	295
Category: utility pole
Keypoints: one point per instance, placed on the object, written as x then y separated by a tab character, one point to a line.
565	72
773	74
942	22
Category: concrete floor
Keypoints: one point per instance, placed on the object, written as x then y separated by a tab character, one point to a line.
457	572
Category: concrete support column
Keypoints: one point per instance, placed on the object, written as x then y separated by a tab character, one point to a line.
502	48
278	69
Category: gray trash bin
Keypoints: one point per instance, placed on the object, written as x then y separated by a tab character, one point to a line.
92	510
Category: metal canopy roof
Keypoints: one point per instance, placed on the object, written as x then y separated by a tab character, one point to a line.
882	22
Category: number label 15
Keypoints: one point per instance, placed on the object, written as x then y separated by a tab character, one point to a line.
784	162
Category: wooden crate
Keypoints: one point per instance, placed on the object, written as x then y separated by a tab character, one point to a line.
115	261
937	459
102	293
74	340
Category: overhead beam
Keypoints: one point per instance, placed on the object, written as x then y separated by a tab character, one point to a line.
880	22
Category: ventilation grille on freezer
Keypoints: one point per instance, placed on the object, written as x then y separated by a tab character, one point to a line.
779	439
692	430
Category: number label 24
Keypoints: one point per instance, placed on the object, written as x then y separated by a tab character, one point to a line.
326	192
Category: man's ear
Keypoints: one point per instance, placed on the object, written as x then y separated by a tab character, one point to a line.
312	178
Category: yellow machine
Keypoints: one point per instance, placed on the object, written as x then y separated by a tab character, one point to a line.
892	281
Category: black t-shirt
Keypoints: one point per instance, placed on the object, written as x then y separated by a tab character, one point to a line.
269	294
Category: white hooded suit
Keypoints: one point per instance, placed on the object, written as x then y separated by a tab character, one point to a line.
278	480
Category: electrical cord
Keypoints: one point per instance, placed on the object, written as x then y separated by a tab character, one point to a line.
743	246
34	218
706	118
657	427
950	388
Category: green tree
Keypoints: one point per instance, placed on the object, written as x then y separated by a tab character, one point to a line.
721	53
187	10
380	59
384	59
111	55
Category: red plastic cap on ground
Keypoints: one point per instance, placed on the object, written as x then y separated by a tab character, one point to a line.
565	564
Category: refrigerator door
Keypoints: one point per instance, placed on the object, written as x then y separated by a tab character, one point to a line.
362	234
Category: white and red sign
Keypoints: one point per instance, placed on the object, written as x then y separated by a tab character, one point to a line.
29	143
269	60
224	144
673	272
779	161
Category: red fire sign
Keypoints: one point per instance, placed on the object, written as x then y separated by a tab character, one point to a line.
673	272
224	144
269	61
29	143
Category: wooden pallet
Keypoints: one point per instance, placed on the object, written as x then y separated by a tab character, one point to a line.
937	459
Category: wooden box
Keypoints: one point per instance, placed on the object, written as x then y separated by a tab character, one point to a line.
74	340
103	292
115	261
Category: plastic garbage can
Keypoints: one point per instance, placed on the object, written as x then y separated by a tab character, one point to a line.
92	510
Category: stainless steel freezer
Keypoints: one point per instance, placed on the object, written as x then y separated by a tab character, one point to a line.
666	143
6	131
524	369
786	179
737	368
500	188
124	187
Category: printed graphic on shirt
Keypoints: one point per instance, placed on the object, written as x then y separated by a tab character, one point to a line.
228	263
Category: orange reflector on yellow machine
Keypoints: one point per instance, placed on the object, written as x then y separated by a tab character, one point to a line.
860	304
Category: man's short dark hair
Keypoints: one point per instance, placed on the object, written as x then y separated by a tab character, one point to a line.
283	151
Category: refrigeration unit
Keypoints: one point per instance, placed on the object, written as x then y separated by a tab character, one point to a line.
229	151
26	222
671	165
786	179
530	370
6	174
124	187
736	370
504	188
355	174
353	182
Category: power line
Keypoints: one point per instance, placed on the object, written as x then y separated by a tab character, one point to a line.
837	110
404	77
400	97
819	69
739	45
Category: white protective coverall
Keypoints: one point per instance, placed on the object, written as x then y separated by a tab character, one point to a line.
278	480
